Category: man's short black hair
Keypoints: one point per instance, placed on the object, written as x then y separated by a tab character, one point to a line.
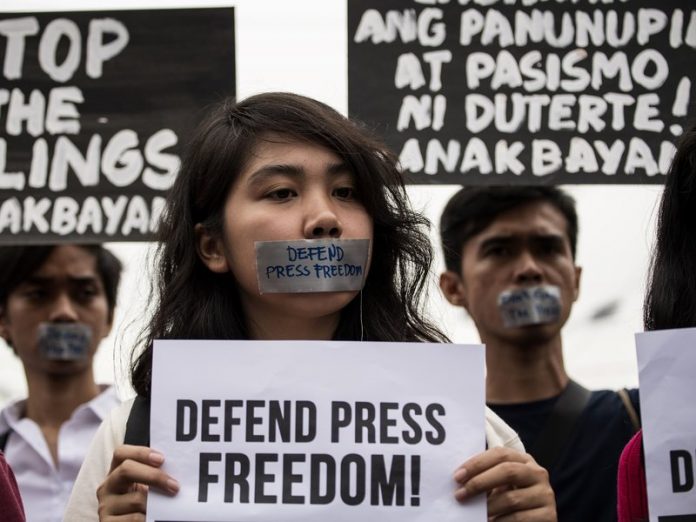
18	263
472	209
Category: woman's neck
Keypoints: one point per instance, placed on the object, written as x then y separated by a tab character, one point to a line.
268	324
293	328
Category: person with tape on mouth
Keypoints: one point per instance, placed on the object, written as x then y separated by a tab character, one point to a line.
287	221
510	259
56	305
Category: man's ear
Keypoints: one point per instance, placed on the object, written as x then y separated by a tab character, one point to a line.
578	273
452	287
210	250
4	331
110	323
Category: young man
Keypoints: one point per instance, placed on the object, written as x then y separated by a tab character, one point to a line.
56	305
510	260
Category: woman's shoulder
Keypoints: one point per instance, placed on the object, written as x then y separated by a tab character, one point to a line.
120	413
111	433
498	433
83	500
114	425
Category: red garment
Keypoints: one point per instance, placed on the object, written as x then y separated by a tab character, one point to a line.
632	490
11	508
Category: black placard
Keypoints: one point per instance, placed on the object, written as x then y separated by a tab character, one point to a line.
95	110
525	92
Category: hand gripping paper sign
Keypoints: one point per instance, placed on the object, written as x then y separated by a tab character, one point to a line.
315	430
667	363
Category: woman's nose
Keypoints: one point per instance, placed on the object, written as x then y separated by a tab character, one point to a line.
322	220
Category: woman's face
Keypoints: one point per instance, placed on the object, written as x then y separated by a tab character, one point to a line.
288	190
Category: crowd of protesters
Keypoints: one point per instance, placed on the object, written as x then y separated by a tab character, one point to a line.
283	167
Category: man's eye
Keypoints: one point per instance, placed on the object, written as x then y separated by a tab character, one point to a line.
87	292
35	294
549	248
497	251
344	192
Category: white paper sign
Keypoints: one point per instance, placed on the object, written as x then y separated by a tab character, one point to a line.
667	365
316	431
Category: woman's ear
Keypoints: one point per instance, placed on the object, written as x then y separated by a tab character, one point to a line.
210	250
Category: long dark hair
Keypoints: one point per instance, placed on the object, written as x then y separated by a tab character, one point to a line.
670	301
191	302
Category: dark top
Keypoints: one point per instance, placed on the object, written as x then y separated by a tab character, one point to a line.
11	507
584	477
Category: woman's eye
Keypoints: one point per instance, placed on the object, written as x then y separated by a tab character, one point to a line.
281	194
345	193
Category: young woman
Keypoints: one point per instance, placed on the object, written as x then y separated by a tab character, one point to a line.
670	301
284	167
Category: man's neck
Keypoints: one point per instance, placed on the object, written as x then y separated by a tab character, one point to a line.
517	374
53	400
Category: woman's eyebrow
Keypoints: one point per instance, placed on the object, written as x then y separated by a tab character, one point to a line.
274	170
295	171
339	168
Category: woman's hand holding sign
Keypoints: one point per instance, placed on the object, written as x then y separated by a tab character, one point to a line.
515	484
134	469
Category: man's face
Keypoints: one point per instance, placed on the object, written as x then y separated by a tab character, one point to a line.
65	289
525	246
